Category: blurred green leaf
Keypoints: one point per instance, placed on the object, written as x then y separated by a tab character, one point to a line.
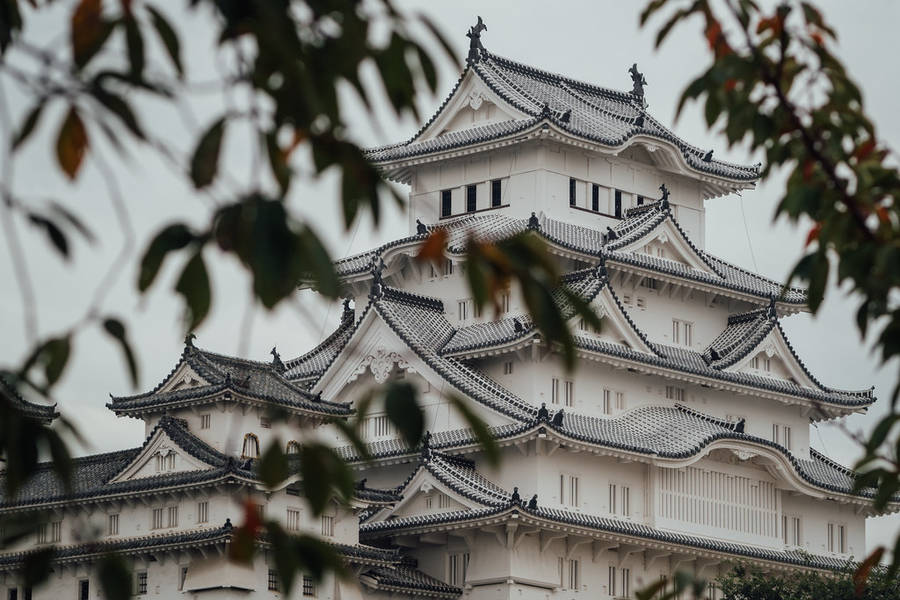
403	410
193	285
116	329
172	237
205	161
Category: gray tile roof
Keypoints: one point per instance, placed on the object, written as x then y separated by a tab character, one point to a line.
587	111
259	381
316	361
460	475
9	393
91	474
407	580
594	246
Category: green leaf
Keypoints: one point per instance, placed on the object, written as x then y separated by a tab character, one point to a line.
135	43
10	23
54	233
52	356
205	161
29	123
272	466
403	410
116	329
168	37
37	566
324	475
115	577
483	434
194	286
172	237
73	220
121	109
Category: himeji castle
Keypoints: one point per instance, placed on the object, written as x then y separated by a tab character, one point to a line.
680	442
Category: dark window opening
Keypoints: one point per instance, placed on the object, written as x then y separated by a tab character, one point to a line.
13	594
595	198
471	197
640	200
496	192
84	590
446	207
571	192
618	211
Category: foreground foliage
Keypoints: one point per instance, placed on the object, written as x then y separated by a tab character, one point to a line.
742	584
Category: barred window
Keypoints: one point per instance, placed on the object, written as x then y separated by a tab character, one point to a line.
140	587
113	528
327	525
251	446
204	421
471	198
203	512
273	581
173	516
293	519
309	587
56	531
157	519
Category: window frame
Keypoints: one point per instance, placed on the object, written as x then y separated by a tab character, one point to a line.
471	198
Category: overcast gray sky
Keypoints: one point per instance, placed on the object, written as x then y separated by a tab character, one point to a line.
592	40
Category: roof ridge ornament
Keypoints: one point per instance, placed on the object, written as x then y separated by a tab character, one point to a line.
421	228
772	313
347	311
638	82
189	339
534	222
532	504
664	201
543	414
377	285
515	498
708	156
276	360
476	48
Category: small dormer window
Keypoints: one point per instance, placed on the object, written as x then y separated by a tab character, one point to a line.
496	193
446	203
471	198
251	446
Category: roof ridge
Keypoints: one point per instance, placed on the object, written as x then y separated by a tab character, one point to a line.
406	297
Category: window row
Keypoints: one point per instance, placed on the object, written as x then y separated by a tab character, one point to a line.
467	308
568	392
619	500
600	198
836	538
569	573
308	584
613	400
619	582
471	198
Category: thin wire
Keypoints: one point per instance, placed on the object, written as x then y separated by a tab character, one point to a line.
747	232
821	441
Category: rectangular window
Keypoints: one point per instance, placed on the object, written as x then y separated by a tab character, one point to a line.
327	525
568	490
784	529
795	531
573	574
595	198
572	195
496	193
462	307
682	332
507	368
781	434
446	203
471	198
612	581
203	512
626	583
554	391
42	533
84	589
674	393
831	537
183	578
157	518
56	531
504	303
293	519
570	393
607	404
842	539
113	528
754	362
626	501
640	200
457	565
309	587
204	421
620	401
448	267
173	516
273	581
618	205
13	594
140	587
612	498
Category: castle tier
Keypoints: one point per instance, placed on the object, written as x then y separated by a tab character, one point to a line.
679	442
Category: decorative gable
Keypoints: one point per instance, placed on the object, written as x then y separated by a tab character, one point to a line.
615	325
472	104
161	455
774	358
184	377
667	242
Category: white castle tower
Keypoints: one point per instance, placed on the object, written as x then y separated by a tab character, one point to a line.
679	442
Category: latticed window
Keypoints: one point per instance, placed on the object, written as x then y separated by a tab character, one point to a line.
626	583
611	585
273	581
204	421
309	587
251	446
140	586
157	522
568	490
675	393
203	512
595	198
613	498
173	516
327	525
113	527
570	393
56	531
507	368
457	565
572	568
293	519
554	391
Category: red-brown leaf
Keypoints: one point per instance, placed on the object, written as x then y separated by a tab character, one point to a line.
433	247
87	27
813	233
864	149
71	144
862	573
808	168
